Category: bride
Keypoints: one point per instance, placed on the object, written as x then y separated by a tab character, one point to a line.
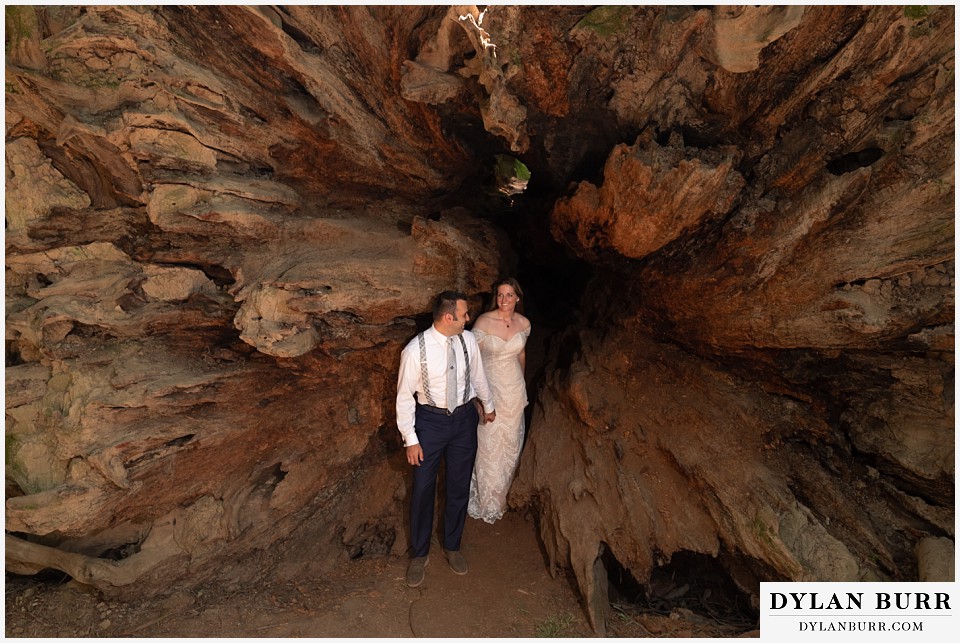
502	334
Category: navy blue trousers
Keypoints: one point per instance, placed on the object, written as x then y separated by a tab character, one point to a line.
453	438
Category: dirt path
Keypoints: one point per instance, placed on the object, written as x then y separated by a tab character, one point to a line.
507	593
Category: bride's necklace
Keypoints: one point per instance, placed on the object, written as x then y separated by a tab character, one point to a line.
507	322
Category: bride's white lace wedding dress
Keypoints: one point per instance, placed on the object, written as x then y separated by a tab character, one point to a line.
499	442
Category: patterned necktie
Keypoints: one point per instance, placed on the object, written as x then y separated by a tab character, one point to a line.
451	376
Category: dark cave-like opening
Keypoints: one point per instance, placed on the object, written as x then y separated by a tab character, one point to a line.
854	161
690	581
12	354
45	577
557	290
554	283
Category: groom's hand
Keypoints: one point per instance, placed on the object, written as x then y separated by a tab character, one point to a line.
414	454
489	417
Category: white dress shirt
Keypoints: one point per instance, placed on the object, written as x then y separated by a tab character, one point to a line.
410	381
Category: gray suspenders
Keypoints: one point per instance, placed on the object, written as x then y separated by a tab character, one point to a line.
423	370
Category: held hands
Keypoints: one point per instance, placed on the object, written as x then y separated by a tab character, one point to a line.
484	417
415	451
415	454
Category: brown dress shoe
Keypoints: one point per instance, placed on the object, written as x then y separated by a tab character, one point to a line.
415	571
457	562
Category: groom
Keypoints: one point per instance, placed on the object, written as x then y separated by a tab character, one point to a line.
441	367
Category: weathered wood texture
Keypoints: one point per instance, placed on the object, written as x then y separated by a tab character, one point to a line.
793	220
219	234
224	222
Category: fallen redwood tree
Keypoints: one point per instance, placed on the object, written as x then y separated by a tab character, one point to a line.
224	222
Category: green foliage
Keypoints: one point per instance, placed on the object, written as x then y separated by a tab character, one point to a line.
521	171
557	626
916	11
510	175
605	21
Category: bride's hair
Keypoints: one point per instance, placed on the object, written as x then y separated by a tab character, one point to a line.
507	281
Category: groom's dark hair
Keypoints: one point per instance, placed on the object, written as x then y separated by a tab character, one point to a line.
447	303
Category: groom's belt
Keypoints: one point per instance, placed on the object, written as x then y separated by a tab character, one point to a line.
437	409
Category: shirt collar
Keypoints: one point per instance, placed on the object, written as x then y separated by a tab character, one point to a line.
438	336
